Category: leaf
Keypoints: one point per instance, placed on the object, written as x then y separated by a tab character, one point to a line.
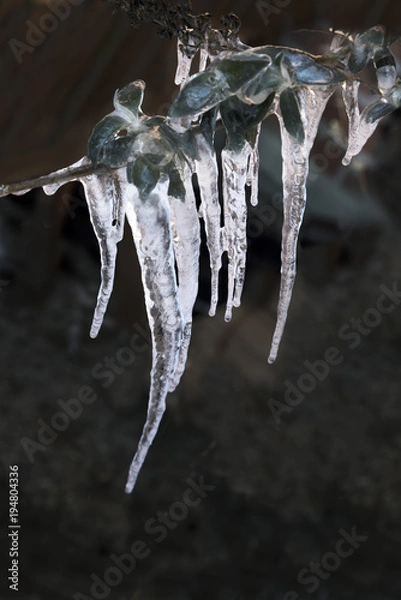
107	128
184	143
197	96
239	69
143	175
378	110
315	74
176	187
260	88
128	100
239	118
363	47
221	80
289	108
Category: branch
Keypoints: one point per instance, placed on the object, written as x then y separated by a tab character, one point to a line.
59	177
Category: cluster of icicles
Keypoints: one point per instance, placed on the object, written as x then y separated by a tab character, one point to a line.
142	167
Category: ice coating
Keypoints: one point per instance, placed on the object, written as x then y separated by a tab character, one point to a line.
159	200
207	175
186	243
109	197
150	225
234	168
365	130
203	58
106	209
185	56
295	157
362	126
350	90
252	178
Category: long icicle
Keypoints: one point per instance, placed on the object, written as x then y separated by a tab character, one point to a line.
252	178
207	175
150	224
234	168
105	203
295	171
186	243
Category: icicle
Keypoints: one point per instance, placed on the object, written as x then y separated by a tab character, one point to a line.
368	121
207	174
107	215
295	170
106	210
350	91
150	224
362	126
186	242
203	58
252	178
234	168
185	56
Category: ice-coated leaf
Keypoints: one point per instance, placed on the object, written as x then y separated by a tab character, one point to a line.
289	108
186	241
222	79
240	118
200	93
240	68
385	66
144	175
378	110
111	139
363	47
109	127
295	171
154	145
128	100
313	73
151	231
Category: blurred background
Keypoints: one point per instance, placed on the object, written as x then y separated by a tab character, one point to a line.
287	474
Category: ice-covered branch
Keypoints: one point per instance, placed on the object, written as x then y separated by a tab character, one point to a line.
143	167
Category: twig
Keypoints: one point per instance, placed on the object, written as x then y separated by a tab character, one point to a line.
62	176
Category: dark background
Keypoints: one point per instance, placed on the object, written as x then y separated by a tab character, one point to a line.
283	491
